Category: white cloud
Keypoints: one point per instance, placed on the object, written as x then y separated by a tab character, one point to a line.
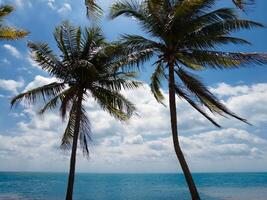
135	140
39	81
22	3
11	85
19	3
12	50
229	143
6	61
144	144
65	8
224	89
252	104
50	3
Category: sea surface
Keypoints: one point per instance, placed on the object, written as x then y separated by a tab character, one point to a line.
212	186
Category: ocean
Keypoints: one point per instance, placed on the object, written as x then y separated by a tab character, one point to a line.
212	186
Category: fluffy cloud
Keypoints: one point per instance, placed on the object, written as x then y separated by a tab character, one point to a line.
247	101
63	9
12	50
229	143
144	143
11	85
39	81
50	3
135	140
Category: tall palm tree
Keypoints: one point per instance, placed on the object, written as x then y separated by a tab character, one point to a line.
88	66
184	37
6	32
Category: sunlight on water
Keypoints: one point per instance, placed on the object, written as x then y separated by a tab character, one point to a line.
236	193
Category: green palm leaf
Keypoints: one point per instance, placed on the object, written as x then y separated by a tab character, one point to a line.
44	92
113	102
204	96
93	10
6	32
155	85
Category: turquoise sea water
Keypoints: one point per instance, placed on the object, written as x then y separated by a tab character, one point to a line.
212	186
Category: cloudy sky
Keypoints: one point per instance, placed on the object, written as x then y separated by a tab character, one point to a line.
29	142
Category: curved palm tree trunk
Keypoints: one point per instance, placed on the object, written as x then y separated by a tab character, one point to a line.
177	148
74	149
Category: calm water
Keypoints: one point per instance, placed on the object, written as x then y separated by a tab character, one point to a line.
219	186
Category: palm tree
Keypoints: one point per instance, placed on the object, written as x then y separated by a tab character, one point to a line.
184	38
88	66
9	33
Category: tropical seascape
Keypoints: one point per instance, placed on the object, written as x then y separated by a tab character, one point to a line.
140	93
212	186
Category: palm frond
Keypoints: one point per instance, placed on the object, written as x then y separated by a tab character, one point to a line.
134	52
139	43
117	84
9	33
92	39
53	103
195	25
93	10
182	94
203	95
44	92
217	15
114	103
6	10
131	8
68	98
6	32
241	4
140	11
67	137
223	60
155	84
187	9
212	41
133	61
226	27
42	54
66	38
85	132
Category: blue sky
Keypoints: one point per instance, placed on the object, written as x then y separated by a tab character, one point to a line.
28	142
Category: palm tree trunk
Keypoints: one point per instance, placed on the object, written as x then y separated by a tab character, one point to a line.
177	148
74	149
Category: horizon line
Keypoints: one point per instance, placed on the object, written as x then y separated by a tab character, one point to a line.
64	172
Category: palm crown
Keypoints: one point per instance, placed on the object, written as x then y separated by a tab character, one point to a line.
9	33
87	67
185	35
